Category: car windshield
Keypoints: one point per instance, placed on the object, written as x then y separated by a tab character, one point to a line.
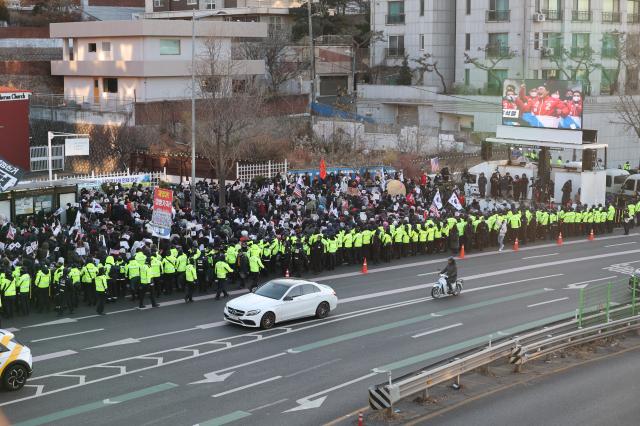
273	290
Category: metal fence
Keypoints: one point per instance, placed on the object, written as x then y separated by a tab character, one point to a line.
606	302
247	172
102	104
39	158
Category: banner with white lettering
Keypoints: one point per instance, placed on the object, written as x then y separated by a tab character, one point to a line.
10	175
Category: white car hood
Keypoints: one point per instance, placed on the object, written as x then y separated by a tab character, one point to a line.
250	302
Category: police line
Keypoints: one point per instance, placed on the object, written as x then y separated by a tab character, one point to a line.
519	350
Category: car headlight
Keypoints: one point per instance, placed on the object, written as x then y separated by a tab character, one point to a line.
254	312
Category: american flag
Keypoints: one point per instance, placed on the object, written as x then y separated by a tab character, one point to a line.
435	165
433	210
297	192
11	233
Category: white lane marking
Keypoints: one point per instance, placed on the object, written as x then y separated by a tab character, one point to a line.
53	355
255	361
469	256
12	329
55	322
540	255
250	385
547	302
271	404
66	335
583	284
428	273
315	367
622	244
471	290
436	330
305	403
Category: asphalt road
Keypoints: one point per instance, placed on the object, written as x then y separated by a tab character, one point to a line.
606	394
180	364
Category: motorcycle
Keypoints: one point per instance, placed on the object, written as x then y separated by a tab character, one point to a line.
440	288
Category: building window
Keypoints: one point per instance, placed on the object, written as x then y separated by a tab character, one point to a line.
275	25
494	81
110	85
581	10
468	8
210	4
550	74
239	86
582	76
192	2
498	46
170	47
106	46
551	45
467	41
396	47
498	11
552	9
158	3
93	47
421	7
609	81
610	45
421	41
631	79
611	11
467	77
580	44
633	11
211	84
395	12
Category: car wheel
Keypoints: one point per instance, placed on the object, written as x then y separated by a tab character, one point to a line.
322	311
267	321
14	378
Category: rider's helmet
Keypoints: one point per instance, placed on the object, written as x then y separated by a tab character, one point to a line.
451	260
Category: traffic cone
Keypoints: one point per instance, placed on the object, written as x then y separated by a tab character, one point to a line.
360	419
591	236
365	268
286	273
461	256
560	239
516	245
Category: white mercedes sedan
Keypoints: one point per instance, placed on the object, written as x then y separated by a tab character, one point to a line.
281	300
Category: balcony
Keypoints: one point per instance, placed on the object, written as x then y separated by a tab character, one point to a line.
610	16
552	15
395	19
498	15
499	51
609	52
581	16
394	52
633	18
580	52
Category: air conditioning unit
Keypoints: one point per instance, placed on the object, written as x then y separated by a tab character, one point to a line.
548	51
539	17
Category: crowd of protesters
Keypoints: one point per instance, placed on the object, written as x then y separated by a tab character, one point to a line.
102	249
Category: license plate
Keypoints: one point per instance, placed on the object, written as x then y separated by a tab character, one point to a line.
233	317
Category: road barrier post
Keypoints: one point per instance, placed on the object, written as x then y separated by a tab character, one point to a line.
580	308
609	301
633	297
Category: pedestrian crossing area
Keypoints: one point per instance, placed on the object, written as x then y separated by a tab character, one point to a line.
621	268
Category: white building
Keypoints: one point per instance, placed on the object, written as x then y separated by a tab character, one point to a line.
415	28
545	39
142	61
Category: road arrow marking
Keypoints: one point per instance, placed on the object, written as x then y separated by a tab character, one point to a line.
56	322
108	401
213	378
305	404
583	284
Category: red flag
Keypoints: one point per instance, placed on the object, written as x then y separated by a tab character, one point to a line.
323	170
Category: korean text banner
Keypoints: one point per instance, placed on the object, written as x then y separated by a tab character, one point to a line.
9	175
551	104
162	202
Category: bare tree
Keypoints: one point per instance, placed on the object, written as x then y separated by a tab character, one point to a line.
231	101
283	60
494	55
628	111
427	63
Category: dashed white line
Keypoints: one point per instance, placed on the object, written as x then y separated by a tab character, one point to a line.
540	255
427	273
271	404
315	367
250	385
53	355
547	302
622	244
66	335
436	330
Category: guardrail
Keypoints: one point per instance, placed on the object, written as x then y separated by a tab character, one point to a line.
519	350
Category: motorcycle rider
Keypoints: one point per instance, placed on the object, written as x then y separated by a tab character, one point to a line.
451	270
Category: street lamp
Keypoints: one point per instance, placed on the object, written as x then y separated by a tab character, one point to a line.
50	136
193	111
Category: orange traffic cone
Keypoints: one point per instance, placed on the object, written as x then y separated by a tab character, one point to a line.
591	236
560	239
365	268
360	419
516	245
286	273
461	256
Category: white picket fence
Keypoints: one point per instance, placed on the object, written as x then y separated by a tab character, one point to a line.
152	178
246	172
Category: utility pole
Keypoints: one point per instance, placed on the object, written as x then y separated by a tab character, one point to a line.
313	63
193	111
